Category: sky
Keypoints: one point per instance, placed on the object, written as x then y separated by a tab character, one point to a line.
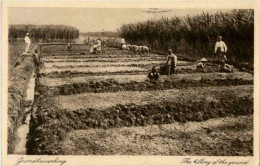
91	19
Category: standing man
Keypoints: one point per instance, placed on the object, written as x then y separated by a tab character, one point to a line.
99	45
172	58
27	43
69	46
220	50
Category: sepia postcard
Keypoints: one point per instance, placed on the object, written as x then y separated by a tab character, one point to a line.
120	83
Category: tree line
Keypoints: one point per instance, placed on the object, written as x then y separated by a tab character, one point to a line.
43	32
196	35
100	34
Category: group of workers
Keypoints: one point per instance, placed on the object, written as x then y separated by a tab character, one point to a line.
134	48
97	46
171	62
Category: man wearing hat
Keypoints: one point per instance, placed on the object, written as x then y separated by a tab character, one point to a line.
171	62
220	50
201	64
27	42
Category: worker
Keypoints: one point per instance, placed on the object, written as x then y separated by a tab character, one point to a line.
171	62
122	42
99	45
201	64
69	46
27	43
153	75
228	68
220	50
225	67
93	48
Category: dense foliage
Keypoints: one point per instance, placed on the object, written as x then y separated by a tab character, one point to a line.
43	32
196	35
100	34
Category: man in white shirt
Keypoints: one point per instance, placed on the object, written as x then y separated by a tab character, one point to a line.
99	45
220	49
27	42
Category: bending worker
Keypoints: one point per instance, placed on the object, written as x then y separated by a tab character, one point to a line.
202	64
220	50
122	42
173	62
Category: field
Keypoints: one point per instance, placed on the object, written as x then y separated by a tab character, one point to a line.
105	105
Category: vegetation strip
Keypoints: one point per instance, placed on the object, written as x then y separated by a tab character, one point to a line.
114	86
105	60
141	78
109	99
77	56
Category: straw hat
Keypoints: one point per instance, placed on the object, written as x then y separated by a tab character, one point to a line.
27	34
203	60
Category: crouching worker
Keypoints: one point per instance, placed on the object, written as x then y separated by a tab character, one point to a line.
171	62
226	67
202	63
153	75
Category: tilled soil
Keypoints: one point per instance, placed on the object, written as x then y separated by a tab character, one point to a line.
114	86
134	120
78	56
104	100
46	81
50	124
72	72
103	64
105	59
90	70
230	136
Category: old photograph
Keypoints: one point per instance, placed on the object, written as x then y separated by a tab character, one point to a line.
130	81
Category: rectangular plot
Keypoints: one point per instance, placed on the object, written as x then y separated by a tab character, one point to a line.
104	59
91	70
78	56
140	78
168	139
96	64
103	100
